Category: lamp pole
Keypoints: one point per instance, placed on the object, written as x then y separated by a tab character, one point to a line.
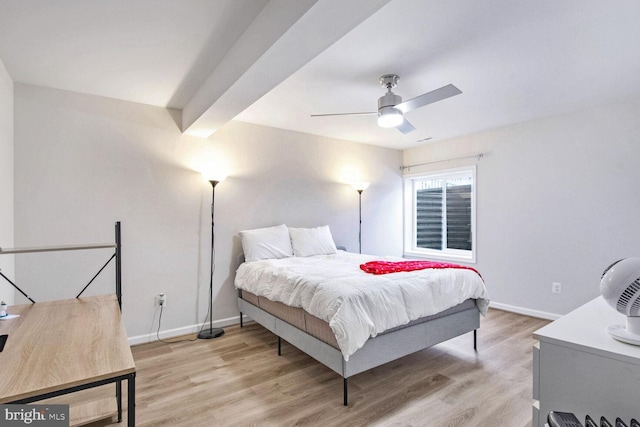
360	187
360	218
211	332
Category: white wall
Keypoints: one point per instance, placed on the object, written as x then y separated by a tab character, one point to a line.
558	201
83	162
6	181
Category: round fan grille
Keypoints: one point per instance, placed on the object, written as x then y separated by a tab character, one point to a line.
620	286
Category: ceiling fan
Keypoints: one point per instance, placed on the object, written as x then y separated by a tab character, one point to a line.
391	108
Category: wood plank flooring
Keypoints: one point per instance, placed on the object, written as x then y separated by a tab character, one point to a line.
239	380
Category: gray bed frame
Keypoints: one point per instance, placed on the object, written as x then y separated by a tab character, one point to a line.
376	351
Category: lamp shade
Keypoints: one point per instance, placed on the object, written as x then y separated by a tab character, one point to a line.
214	174
389	117
360	186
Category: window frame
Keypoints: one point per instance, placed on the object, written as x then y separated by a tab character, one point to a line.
411	250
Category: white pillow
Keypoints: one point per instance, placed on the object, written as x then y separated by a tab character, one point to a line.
312	241
266	243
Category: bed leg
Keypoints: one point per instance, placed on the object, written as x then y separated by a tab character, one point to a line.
345	394
475	339
279	346
241	324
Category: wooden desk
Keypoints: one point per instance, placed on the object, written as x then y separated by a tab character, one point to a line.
60	347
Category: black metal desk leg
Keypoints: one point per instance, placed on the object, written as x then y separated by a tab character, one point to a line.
131	400
119	399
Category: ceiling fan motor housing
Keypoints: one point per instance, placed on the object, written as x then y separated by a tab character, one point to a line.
389	99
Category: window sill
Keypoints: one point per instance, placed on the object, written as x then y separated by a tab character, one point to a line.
441	257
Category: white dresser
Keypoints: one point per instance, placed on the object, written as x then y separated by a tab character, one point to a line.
578	367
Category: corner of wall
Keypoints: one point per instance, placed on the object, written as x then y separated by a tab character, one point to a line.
6	180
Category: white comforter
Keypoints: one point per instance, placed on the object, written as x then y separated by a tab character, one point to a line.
359	305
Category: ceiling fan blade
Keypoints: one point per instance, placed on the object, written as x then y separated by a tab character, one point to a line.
344	114
405	127
428	98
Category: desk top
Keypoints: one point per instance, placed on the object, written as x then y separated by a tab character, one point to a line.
60	344
584	329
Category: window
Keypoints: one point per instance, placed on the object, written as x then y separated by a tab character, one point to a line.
440	215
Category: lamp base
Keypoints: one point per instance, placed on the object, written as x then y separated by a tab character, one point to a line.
207	334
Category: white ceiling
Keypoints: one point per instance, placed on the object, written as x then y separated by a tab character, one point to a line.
276	62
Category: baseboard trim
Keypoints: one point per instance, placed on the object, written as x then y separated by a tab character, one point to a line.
525	311
184	330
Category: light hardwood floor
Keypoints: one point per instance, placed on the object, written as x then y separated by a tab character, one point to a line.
238	380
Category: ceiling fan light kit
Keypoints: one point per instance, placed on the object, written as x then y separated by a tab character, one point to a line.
389	117
391	108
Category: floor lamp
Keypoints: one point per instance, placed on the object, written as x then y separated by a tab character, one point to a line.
360	187
212	332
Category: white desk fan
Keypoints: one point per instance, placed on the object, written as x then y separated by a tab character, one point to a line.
620	288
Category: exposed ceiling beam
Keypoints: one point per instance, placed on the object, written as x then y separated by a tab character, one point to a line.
283	37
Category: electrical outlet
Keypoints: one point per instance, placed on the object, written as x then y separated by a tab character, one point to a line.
161	300
556	288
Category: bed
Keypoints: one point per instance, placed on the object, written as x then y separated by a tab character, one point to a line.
301	287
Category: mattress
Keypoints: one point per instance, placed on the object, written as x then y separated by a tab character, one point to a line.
320	329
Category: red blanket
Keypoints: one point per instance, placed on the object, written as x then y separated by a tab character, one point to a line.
385	267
